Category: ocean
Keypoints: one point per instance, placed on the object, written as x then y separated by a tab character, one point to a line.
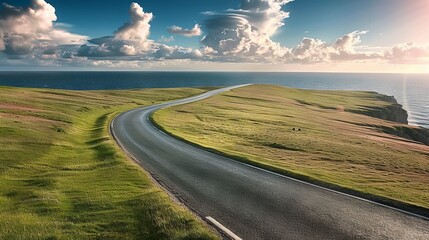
410	90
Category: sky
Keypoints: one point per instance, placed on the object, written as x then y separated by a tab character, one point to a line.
216	35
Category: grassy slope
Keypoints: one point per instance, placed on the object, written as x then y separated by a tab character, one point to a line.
63	177
334	145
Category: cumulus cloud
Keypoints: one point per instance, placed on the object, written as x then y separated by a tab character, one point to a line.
175	52
343	49
310	50
235	35
408	53
23	30
194	32
247	31
130	39
137	31
131	42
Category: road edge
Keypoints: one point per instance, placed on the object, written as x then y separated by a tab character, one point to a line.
175	197
407	208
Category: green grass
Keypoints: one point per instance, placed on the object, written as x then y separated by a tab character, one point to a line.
63	177
336	145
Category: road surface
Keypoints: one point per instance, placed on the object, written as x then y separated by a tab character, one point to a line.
251	202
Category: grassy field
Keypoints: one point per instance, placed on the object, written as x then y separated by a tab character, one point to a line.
63	177
330	143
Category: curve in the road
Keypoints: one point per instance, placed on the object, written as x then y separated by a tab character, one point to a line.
252	202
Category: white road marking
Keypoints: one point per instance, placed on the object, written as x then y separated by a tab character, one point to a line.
174	103
223	229
328	189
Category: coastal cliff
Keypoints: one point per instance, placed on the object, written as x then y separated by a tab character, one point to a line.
395	113
313	135
417	134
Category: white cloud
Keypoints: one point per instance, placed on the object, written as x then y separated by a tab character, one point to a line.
129	40
165	39
310	51
408	53
194	32
247	31
24	30
175	52
244	35
128	50
137	31
343	49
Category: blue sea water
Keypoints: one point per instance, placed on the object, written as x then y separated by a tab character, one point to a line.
411	90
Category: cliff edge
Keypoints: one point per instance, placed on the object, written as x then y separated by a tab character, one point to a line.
392	112
395	113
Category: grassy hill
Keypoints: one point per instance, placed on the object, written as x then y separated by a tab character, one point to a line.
334	138
62	176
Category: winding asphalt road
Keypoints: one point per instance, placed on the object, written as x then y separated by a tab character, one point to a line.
251	202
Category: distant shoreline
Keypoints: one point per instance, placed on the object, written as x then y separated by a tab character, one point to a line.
409	89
